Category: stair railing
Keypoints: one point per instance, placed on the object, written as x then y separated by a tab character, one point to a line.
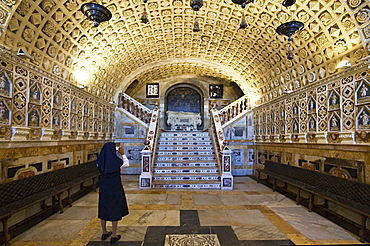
134	107
234	109
147	154
222	151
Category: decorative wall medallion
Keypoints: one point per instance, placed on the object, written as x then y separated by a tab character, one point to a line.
34	134
73	135
311	77
363	136
6	132
294	137
311	137
333	137
57	134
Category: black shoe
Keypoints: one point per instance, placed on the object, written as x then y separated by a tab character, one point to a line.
115	239
105	236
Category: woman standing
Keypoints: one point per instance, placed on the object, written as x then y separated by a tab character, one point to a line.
112	199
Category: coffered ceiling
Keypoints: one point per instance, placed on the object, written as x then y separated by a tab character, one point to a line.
109	57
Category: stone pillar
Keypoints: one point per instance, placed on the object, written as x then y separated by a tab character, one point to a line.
227	179
146	169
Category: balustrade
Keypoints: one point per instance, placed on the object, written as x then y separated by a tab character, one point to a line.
234	109
135	108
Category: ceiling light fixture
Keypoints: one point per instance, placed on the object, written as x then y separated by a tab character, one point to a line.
96	13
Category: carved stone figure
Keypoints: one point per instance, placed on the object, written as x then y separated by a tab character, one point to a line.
363	91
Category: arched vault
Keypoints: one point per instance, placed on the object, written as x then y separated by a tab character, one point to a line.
64	42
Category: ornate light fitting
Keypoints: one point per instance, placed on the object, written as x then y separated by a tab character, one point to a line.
287	3
243	3
196	25
289	29
196	4
144	17
243	23
96	12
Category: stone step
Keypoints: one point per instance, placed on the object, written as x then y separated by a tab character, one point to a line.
184	134
187	186
188	178
185	158
184	143
185	153
184	148
202	139
180	171
200	164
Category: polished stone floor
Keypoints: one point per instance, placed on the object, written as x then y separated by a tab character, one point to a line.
251	214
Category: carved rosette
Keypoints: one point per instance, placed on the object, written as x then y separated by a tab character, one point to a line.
363	136
86	135
282	138
333	137
34	134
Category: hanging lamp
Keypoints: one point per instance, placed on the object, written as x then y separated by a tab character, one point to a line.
96	13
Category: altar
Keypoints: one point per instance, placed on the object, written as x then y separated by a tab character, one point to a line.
183	121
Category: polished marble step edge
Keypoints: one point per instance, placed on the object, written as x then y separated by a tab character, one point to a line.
187	186
176	134
186	139
184	153
184	148
190	158
196	165
179	171
192	177
184	143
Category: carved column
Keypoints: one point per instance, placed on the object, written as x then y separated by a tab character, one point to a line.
226	177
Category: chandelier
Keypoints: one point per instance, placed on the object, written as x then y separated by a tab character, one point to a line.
96	13
289	29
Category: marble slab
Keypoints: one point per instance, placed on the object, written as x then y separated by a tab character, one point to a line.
151	218
259	232
153	199
312	225
232	218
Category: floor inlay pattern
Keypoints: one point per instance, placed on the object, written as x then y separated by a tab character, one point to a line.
251	214
192	239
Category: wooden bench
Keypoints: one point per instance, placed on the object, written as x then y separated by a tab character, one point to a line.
352	195
20	194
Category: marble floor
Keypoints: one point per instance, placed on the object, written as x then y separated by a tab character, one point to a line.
251	214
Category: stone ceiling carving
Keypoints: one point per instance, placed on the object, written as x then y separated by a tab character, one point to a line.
63	42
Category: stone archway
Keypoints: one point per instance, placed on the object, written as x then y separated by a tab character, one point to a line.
184	108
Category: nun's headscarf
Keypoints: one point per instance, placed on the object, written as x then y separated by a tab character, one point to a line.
108	161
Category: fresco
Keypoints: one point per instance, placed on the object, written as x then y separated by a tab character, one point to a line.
184	99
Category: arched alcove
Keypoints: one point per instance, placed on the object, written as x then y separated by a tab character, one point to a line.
184	99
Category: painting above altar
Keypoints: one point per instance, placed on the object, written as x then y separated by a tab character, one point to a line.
184	99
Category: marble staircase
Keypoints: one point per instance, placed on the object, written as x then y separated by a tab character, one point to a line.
185	160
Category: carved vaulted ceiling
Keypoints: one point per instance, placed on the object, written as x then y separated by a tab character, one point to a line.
112	55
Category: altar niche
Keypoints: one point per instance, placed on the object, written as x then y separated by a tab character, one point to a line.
184	110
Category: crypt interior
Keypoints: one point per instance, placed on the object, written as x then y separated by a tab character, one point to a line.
246	82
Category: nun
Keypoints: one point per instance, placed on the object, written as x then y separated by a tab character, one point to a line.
112	199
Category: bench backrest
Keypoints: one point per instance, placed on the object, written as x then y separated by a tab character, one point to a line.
292	172
349	189
19	189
